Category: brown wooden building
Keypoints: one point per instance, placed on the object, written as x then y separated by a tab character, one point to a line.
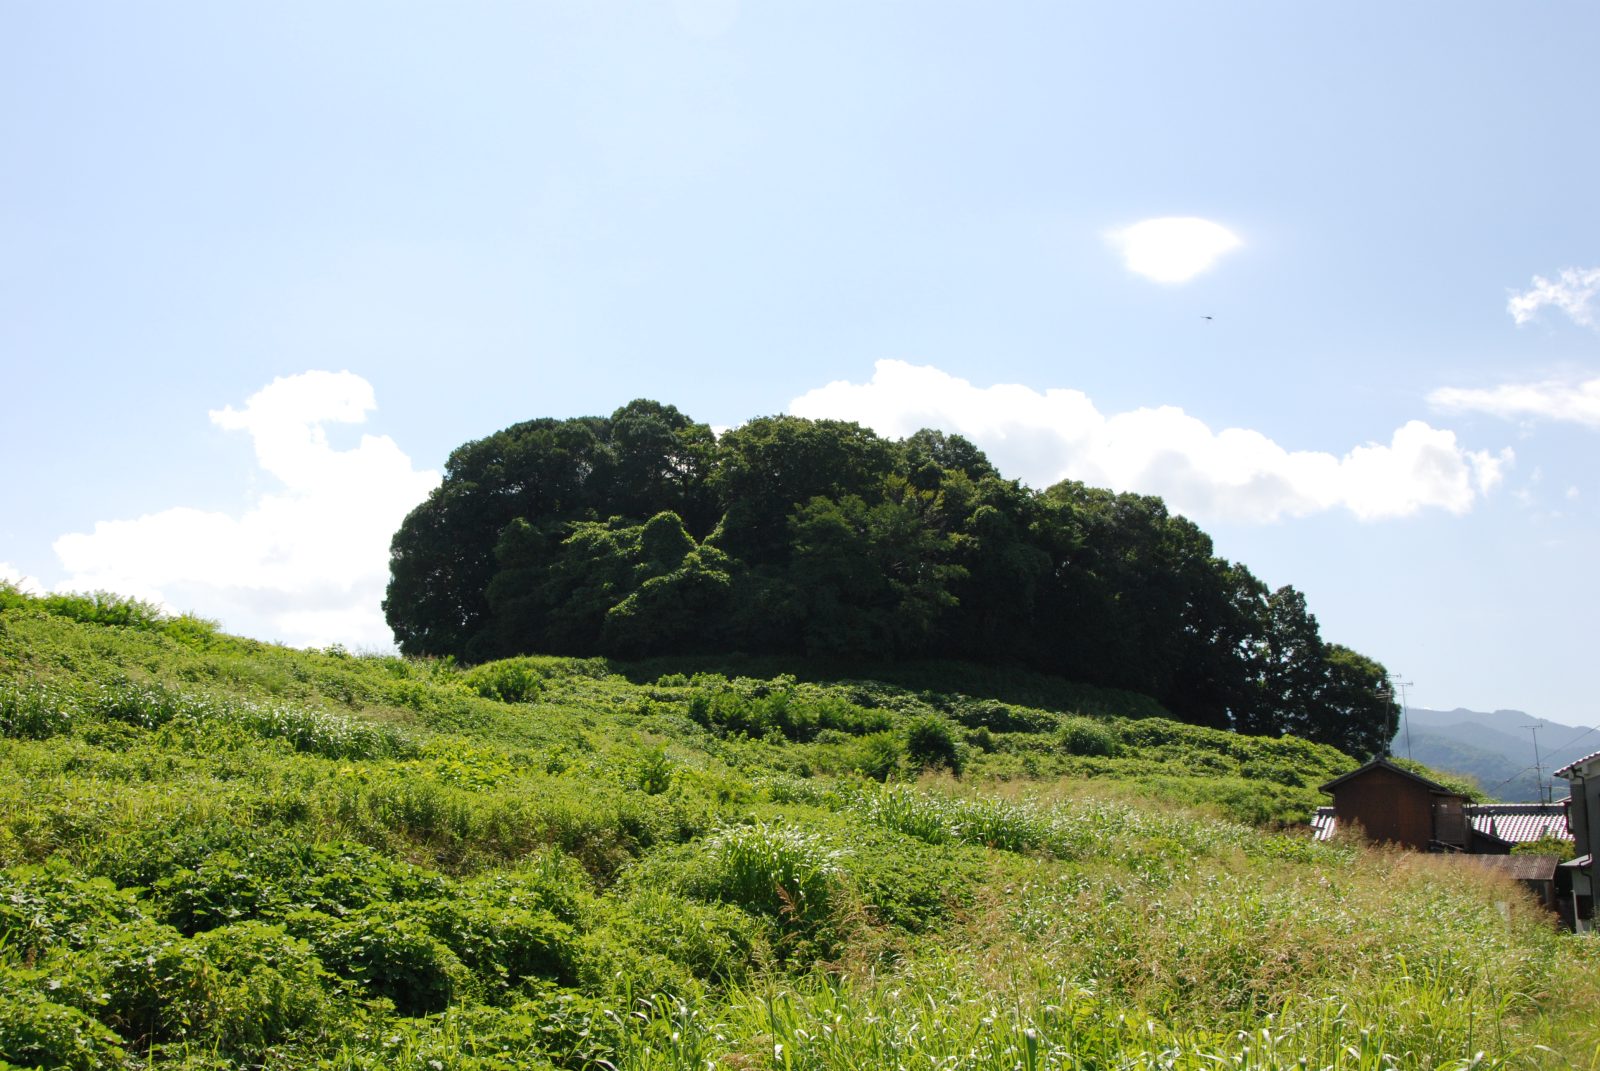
1393	805
1584	816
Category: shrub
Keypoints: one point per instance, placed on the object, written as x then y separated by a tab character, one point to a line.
653	772
191	630
714	942
221	889
788	873
105	608
1086	736
930	743
878	756
235	989
514	680
504	946
42	907
1560	847
266	987
390	952
36	1032
33	711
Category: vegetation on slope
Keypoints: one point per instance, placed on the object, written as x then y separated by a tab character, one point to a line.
642	534
219	853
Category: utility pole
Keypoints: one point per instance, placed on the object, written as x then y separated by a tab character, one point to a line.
1538	770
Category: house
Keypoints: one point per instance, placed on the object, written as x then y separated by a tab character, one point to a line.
1509	824
1390	804
1536	873
1583	815
1395	806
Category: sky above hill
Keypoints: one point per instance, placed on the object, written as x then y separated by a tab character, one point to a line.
1326	278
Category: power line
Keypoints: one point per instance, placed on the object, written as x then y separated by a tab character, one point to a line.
1580	736
1512	778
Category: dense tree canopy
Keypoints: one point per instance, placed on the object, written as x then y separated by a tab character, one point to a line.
644	533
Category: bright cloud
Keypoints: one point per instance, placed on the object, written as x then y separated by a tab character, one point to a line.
306	564
1574	403
1173	249
1234	474
1573	292
10	574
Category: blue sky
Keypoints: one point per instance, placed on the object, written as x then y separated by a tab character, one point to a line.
263	266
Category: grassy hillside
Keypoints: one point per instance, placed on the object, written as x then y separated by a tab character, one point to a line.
220	853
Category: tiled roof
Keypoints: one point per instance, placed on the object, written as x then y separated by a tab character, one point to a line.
1383	763
1514	822
1569	767
1519	822
1521	867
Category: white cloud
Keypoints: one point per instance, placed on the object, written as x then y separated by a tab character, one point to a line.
1573	293
1234	474
10	574
1173	249
1566	401
307	564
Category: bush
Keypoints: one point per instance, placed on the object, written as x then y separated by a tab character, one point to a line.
714	942
36	1032
878	756
221	889
236	989
930	743
33	711
514	680
105	608
390	952
524	679
1560	847
261	877
266	988
42	907
504	946
787	873
1086	736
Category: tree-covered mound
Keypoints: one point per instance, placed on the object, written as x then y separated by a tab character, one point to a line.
222	854
644	534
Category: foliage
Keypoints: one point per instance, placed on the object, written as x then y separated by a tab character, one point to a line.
930	744
1463	784
788	873
1559	847
560	862
640	535
38	1032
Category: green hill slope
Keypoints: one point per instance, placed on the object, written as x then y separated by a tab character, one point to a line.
220	853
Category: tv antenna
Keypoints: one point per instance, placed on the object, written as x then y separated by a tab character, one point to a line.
1538	770
1405	722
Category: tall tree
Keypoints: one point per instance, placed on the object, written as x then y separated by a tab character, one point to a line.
641	533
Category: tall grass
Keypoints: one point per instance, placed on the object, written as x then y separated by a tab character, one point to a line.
223	854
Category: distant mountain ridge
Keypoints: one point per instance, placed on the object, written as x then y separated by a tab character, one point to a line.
1495	748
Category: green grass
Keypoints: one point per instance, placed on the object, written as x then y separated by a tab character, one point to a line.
218	853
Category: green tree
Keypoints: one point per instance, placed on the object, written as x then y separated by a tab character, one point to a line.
641	533
1356	711
772	465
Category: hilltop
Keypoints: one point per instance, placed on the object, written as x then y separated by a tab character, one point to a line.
1495	748
644	534
221	853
